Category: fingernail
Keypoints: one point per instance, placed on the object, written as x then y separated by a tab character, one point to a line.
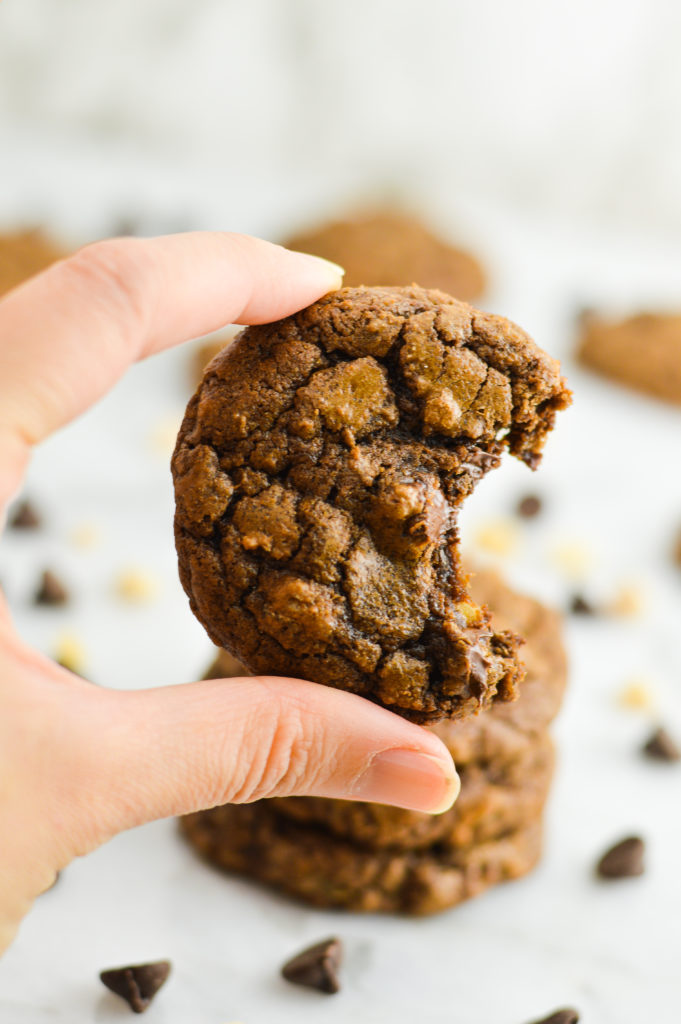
335	270
411	779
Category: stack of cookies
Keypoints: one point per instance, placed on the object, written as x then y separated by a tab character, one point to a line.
371	857
318	473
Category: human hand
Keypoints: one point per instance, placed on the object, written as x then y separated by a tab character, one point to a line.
79	763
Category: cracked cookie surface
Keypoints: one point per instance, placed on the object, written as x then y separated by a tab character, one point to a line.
318	473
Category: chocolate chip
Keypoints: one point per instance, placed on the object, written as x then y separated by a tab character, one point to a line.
580	606
51	590
560	1017
529	506
137	984
662	746
25	517
316	967
623	860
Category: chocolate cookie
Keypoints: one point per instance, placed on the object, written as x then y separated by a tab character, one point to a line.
318	472
307	862
494	800
393	249
643	351
23	254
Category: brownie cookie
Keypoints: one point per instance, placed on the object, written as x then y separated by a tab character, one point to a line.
307	862
494	800
23	254
318	473
643	351
204	352
393	249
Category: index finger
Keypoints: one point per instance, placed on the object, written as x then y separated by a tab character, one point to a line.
67	335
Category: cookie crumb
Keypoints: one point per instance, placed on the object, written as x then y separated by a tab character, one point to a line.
628	602
529	507
637	695
572	558
567	1016
497	537
70	653
623	860
137	984
85	535
136	586
25	517
661	746
51	590
316	967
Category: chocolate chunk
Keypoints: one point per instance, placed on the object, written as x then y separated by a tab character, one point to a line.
529	506
25	517
51	590
316	967
137	984
560	1017
579	605
623	860
662	746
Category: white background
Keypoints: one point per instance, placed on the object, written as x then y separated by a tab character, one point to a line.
547	137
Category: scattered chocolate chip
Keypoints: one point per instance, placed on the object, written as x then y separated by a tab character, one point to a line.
529	506
137	984
316	967
51	590
25	517
580	606
623	860
560	1017
662	746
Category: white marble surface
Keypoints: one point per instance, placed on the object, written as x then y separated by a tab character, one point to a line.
611	484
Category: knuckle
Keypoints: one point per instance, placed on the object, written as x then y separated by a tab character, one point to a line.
115	273
283	755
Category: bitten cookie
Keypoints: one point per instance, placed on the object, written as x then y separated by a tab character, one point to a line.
393	249
643	352
307	862
318	473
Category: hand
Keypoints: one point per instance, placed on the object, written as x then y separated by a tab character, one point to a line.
79	763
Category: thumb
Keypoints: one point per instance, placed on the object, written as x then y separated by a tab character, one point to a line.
153	753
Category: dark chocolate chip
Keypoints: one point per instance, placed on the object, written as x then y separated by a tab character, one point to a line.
25	517
662	746
529	506
580	606
560	1017
137	984
316	967
51	590
623	860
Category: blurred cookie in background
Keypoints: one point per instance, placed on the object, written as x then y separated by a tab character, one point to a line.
23	254
641	351
391	248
